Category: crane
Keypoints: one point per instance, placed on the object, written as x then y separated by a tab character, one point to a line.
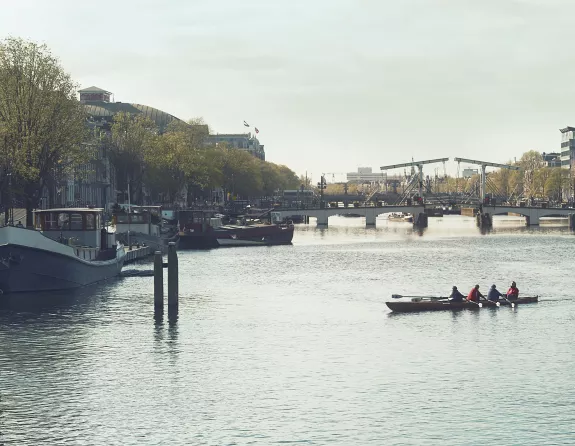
419	165
483	165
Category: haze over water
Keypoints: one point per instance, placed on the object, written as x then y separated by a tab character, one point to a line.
294	344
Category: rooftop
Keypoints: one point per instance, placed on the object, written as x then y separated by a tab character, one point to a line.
93	89
100	109
39	211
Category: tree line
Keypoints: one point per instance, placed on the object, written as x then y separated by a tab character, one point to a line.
45	137
534	179
180	160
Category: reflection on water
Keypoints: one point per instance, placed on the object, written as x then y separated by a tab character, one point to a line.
295	344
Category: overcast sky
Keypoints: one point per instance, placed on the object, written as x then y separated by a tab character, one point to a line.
330	84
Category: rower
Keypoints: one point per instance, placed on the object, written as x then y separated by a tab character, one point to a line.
456	296
474	294
513	292
494	294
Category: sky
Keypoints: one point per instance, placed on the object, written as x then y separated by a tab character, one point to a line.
332	85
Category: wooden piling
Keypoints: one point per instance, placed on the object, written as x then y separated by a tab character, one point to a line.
172	276
158	281
572	222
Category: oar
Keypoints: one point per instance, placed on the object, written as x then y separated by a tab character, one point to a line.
497	304
479	304
510	303
399	296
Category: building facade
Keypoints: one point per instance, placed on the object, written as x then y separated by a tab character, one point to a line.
241	141
567	147
94	183
366	175
552	159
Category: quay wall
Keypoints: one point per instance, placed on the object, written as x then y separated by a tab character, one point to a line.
138	254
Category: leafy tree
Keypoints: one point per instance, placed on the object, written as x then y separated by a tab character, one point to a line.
42	125
166	165
555	182
131	137
530	162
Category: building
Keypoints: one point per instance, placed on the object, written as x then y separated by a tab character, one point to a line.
240	141
567	147
94	183
366	175
552	159
468	173
101	111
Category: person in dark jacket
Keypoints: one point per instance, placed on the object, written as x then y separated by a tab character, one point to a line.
494	294
456	296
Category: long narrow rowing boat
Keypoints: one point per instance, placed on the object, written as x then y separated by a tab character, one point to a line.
438	305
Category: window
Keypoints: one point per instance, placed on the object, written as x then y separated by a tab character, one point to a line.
76	222
90	222
63	221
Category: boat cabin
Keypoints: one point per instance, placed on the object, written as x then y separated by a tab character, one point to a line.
143	219
71	226
198	221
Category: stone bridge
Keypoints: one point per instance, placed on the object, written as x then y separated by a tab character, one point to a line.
531	214
370	213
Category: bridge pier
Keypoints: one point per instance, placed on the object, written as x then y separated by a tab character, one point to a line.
420	220
532	220
370	217
484	221
322	219
572	222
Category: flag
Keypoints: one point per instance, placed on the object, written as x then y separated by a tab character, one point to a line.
246	124
256	129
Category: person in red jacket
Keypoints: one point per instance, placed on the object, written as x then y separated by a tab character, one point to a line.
474	294
513	292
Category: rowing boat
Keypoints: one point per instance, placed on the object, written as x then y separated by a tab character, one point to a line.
438	305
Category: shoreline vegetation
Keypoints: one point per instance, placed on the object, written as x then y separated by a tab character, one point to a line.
47	137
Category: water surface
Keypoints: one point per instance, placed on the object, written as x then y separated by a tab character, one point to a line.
294	344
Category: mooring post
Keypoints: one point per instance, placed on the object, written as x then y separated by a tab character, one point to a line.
158	281
172	276
572	221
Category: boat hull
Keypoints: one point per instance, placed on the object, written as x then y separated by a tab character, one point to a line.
257	235
30	262
443	305
157	243
201	240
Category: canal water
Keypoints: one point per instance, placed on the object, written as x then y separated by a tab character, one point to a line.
294	344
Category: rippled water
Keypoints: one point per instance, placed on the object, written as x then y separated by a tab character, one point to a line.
294	344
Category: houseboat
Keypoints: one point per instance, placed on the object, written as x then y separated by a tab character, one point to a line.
67	248
143	225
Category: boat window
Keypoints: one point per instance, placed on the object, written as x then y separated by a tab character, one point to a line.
76	222
137	218
39	221
63	221
90	222
51	221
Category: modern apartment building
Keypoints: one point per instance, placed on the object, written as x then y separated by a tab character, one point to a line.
567	147
366	175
